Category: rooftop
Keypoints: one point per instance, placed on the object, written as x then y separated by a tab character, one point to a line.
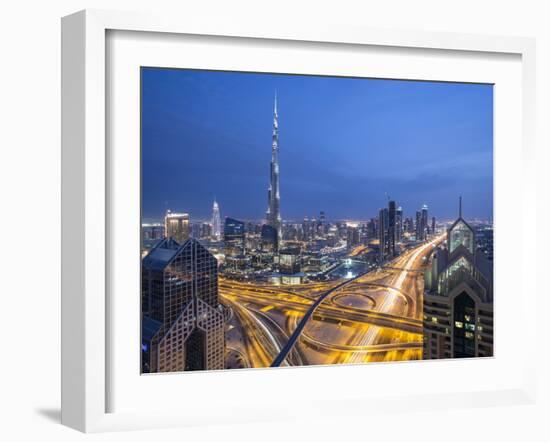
159	257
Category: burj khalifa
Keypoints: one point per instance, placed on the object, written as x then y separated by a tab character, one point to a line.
273	215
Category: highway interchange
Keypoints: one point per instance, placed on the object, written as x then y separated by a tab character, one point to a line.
370	318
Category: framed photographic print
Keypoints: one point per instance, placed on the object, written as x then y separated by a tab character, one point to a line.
251	211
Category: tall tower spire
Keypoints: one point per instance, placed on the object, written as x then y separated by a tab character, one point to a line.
460	206
216	221
273	214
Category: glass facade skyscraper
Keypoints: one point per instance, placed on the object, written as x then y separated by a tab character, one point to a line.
383	222
458	302
216	222
399	223
273	215
424	221
234	236
418	226
392	230
182	319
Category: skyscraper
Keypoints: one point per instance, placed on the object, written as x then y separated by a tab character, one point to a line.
269	239
206	230
216	222
273	215
392	224
234	237
424	220
182	319
418	225
371	229
352	236
323	226
399	223
458	298
408	225
176	226
422	226
383	233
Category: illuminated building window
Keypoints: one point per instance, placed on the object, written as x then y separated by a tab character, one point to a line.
461	263
434	319
461	234
469	335
459	324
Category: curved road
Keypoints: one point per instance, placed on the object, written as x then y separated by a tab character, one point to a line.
294	337
369	336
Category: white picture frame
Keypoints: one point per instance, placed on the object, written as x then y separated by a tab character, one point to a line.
85	201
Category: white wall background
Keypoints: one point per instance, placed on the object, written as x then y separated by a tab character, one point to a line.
30	213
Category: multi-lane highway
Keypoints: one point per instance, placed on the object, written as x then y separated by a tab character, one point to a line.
372	317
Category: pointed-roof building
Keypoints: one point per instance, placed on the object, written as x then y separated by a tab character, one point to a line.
216	221
458	299
182	319
273	214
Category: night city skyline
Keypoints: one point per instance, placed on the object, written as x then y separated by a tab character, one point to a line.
352	223
345	144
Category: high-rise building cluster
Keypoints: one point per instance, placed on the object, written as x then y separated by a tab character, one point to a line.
390	230
422	226
183	321
247	249
151	234
179	227
391	227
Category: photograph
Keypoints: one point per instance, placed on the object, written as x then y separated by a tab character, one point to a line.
266	223
303	220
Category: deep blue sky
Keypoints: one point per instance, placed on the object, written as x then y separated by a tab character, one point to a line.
344	142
